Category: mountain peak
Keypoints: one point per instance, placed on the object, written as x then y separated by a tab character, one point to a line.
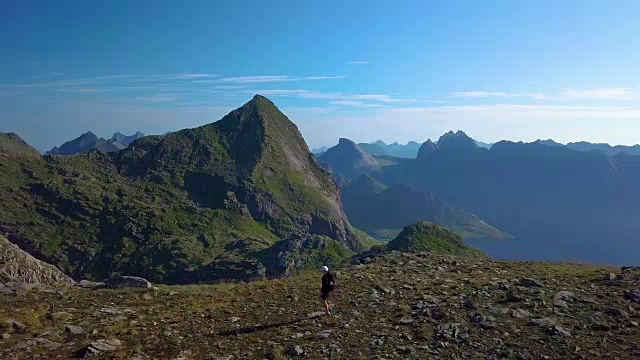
12	143
345	142
458	141
348	159
427	148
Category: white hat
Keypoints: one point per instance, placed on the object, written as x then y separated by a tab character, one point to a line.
324	268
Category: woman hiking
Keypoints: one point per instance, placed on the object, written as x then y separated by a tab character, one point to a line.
328	285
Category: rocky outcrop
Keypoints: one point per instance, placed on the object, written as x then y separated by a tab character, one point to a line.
16	265
119	282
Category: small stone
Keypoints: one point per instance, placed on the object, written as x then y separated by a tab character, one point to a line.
106	345
562	331
520	314
5	336
296	351
47	344
74	330
615	312
496	310
324	334
469	305
511	297
564	295
234	319
601	326
543	322
633	295
560	303
376	342
17	325
406	321
60	316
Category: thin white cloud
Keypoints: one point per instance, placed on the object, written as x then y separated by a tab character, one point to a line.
477	94
158	99
324	77
274	79
361	62
47	75
318	95
355	103
615	93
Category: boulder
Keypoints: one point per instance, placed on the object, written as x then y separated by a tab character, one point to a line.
119	282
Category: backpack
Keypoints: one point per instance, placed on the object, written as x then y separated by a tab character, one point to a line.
332	281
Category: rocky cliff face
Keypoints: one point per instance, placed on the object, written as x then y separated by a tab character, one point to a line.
16	265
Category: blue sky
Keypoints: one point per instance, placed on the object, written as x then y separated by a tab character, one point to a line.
367	70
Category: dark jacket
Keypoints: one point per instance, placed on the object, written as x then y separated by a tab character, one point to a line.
328	282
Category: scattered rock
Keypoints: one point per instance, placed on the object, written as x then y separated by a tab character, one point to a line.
496	310
511	297
18	326
560	303
453	331
45	343
543	322
405	321
60	316
74	330
633	295
376	342
5	336
234	319
296	351
481	321
469	305
98	347
600	326
561	331
119	282
615	313
520	314
530	282
324	334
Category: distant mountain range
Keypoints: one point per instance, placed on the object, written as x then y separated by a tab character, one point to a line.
89	141
379	148
530	189
410	150
539	190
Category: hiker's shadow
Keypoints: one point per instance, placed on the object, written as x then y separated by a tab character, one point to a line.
256	328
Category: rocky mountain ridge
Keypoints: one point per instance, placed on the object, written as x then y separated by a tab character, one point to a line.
89	141
198	205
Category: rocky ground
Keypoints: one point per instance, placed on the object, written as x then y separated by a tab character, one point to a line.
400	306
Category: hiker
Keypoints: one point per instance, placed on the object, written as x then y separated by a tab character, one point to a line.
328	285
